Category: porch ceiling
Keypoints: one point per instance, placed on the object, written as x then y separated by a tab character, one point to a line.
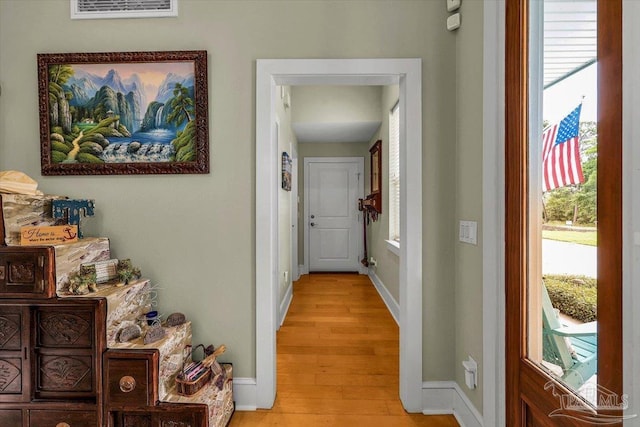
570	37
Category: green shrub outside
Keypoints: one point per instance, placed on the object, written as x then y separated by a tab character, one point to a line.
575	296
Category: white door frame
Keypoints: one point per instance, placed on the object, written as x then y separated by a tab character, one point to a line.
408	74
295	274
360	193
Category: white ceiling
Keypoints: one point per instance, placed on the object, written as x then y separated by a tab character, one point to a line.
335	113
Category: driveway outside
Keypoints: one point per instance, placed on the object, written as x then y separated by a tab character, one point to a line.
568	258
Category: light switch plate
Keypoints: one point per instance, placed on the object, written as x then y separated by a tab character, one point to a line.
452	5
453	22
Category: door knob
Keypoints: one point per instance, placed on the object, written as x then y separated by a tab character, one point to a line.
313	224
313	216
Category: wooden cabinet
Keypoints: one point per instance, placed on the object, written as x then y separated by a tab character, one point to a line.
163	415
65	358
27	272
55	370
11	417
131	378
50	359
14	354
48	418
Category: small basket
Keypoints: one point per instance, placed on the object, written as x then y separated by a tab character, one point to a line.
196	375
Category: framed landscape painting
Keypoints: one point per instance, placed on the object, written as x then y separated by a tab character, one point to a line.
123	113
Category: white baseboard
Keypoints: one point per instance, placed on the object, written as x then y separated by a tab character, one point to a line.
302	269
245	394
284	304
446	397
392	305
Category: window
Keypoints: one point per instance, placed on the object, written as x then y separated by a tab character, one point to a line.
394	173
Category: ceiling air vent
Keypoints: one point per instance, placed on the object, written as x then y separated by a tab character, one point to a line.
103	9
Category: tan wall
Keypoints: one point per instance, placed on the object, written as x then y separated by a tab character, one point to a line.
468	258
335	104
378	232
194	234
286	143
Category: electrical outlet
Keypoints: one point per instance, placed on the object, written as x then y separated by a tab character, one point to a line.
468	232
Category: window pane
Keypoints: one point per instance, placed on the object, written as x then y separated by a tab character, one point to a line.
394	173
562	288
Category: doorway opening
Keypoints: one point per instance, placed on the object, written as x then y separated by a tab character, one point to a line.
407	74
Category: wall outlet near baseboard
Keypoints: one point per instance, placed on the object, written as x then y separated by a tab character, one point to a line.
470	373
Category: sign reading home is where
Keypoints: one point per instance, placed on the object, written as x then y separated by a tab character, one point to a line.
48	235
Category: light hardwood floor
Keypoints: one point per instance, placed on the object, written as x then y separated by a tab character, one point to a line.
337	360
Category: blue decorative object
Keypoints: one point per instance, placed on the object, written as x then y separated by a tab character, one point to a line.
72	210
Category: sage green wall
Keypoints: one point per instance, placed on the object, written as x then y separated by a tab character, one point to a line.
286	143
388	268
194	234
335	104
468	258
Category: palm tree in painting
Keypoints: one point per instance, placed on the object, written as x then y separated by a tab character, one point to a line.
181	106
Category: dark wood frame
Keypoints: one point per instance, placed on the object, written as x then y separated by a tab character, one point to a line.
523	375
199	166
376	165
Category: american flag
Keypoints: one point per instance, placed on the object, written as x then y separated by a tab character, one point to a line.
561	165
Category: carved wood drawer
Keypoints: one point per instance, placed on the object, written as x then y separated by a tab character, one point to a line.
131	378
68	326
10	417
47	418
14	365
27	272
60	372
164	415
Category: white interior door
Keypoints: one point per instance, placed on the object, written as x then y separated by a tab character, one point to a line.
333	216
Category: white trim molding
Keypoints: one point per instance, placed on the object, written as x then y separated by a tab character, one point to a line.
407	73
388	299
302	269
493	236
446	397
393	247
285	304
631	206
244	394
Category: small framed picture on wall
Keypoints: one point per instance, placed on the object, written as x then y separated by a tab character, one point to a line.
286	171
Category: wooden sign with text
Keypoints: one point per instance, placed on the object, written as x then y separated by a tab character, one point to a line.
34	235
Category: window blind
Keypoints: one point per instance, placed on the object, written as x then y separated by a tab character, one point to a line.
394	173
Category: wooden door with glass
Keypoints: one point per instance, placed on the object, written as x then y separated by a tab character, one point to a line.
563	359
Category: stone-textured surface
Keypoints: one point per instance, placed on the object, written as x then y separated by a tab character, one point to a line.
69	256
171	349
220	402
19	210
125	305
